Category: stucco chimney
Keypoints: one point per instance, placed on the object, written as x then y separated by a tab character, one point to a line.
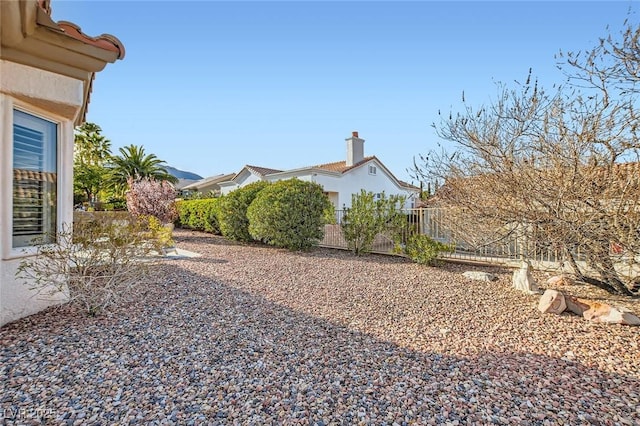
355	149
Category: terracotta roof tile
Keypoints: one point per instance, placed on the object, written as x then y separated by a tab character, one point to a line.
34	175
341	166
407	185
104	41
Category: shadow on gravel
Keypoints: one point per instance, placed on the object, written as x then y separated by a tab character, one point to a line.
199	351
197	237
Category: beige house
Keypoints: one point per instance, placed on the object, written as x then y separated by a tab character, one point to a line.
207	185
47	70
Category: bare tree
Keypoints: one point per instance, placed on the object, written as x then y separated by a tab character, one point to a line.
558	167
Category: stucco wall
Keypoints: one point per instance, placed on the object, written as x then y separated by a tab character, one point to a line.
56	98
359	178
18	299
243	179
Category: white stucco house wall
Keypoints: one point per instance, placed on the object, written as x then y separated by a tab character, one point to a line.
340	179
46	75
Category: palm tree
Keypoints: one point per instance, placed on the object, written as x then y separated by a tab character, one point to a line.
134	163
91	152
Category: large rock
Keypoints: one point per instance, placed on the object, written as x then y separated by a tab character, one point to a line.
480	276
552	302
523	280
601	312
575	305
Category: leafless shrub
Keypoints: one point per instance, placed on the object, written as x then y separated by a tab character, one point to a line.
560	168
102	263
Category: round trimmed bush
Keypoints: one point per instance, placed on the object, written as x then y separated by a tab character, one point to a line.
289	214
232	215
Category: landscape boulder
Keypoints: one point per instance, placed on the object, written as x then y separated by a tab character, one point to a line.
523	280
601	312
480	276
575	305
552	302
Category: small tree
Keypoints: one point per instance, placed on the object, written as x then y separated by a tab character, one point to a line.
91	152
368	217
232	216
290	214
559	169
97	266
148	197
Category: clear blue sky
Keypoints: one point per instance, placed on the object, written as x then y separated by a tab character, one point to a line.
211	86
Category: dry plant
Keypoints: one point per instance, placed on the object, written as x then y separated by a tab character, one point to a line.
559	168
100	264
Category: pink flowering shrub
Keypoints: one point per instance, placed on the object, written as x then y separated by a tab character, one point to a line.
149	197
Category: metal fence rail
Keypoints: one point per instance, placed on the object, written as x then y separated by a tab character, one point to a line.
435	223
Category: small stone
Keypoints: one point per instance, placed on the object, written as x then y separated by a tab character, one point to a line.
480	276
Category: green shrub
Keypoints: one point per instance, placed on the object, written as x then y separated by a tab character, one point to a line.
201	215
425	250
368	217
290	214
161	233
234	223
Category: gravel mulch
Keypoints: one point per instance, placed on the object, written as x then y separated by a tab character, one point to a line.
256	335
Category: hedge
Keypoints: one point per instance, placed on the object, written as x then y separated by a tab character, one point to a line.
200	215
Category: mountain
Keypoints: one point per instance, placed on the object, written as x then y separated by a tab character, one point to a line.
181	174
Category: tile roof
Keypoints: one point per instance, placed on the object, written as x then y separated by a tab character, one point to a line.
104	41
109	47
340	166
407	184
336	167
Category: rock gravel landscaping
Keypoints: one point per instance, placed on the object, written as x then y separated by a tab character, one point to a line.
248	334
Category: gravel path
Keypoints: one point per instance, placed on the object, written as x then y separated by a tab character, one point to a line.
255	335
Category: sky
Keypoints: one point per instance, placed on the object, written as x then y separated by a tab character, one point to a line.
211	86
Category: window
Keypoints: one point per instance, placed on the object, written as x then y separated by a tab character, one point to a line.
34	179
372	170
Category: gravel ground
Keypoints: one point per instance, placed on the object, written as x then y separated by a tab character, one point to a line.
256	335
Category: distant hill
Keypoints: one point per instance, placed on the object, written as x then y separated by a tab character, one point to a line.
180	174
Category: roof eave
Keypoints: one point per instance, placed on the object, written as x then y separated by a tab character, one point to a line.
30	37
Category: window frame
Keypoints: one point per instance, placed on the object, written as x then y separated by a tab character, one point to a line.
373	170
64	129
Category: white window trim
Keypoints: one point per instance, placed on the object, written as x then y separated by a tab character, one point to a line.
64	164
373	170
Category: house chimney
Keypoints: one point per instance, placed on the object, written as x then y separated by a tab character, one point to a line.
355	149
